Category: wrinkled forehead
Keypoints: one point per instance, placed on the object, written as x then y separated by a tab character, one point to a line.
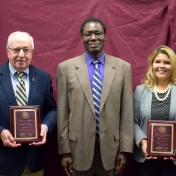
93	26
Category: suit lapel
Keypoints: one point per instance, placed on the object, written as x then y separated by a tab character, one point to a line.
6	82
33	81
109	73
82	75
148	103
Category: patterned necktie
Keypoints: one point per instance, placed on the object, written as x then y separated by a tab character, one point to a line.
97	89
20	90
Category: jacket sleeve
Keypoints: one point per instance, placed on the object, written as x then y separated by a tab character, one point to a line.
138	133
50	107
126	121
62	112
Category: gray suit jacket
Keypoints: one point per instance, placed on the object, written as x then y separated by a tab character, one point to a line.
76	114
142	113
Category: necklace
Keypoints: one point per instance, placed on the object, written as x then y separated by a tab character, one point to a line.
156	91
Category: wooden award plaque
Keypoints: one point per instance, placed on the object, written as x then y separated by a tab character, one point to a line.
25	124
161	141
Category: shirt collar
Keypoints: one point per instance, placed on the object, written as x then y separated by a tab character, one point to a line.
90	59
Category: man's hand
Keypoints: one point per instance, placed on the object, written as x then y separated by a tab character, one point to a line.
8	139
66	163
121	162
144	150
43	134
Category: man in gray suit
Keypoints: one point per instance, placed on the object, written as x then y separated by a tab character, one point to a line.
94	138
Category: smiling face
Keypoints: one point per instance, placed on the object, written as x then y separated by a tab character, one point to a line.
93	38
21	60
162	68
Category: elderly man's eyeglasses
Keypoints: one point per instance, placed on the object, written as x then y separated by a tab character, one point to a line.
96	34
17	50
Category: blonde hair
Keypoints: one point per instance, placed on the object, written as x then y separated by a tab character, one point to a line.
149	80
19	32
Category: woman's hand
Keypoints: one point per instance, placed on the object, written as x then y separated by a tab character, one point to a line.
171	158
144	149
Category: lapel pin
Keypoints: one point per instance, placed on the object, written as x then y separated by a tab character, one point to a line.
33	79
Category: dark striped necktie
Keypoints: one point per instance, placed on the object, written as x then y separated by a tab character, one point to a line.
21	90
97	90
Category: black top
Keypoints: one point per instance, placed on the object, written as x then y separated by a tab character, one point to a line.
160	109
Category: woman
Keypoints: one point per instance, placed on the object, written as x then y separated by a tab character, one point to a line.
155	99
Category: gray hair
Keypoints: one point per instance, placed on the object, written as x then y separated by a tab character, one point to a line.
19	32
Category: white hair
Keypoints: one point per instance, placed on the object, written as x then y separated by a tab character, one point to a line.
19	32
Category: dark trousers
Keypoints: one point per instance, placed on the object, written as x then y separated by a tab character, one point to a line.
158	167
28	173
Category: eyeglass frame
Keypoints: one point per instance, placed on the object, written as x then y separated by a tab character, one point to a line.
97	34
13	50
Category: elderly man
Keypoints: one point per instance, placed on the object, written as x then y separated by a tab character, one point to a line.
95	109
15	158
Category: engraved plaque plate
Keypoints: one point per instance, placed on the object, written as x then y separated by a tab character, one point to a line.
161	138
25	125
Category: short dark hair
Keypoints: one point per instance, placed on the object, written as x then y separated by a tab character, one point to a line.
92	19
